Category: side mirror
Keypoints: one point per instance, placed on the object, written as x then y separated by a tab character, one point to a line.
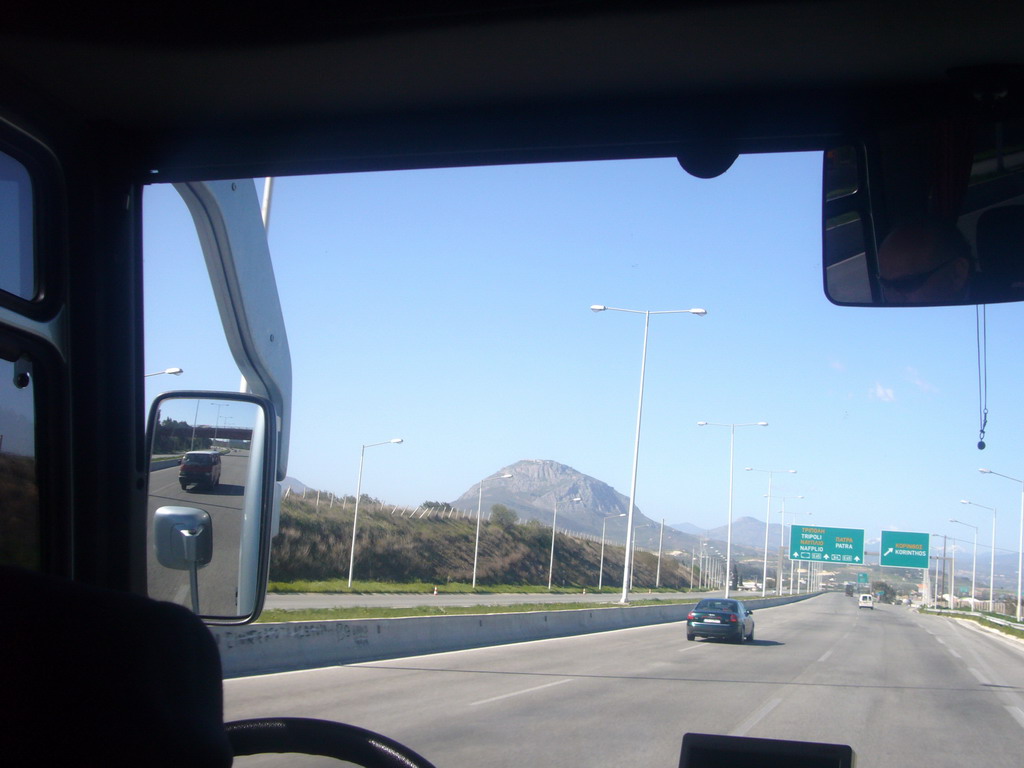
928	214
212	502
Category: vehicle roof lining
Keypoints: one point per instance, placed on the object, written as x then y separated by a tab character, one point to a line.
179	86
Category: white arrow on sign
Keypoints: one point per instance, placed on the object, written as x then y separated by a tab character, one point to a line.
887	552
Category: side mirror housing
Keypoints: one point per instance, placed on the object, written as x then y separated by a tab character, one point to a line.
211	502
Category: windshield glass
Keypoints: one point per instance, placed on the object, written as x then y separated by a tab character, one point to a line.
451	309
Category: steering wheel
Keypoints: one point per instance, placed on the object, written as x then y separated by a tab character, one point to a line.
325	738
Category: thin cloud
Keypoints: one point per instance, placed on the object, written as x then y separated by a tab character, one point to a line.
885	394
915	378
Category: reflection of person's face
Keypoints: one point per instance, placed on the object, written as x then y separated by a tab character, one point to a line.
917	266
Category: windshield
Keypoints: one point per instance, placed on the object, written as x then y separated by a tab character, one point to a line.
451	309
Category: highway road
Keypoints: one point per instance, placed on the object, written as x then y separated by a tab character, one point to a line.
904	690
218	580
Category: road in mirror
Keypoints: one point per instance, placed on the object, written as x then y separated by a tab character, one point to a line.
200	460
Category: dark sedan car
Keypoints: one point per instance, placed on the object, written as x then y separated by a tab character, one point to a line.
720	617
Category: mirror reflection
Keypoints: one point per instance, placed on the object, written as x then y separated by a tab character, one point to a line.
927	215
204	503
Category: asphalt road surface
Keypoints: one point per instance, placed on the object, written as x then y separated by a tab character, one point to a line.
218	580
904	690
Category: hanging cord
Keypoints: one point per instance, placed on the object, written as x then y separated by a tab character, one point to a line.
981	324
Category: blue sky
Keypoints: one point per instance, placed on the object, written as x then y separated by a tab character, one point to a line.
450	308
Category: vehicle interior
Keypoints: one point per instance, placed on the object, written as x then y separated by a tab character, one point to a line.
95	106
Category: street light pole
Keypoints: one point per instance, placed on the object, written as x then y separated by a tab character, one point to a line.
169	371
1020	542
767	517
632	562
359	493
974	564
661	541
554	529
992	561
600	573
728	531
782	544
476	543
639	413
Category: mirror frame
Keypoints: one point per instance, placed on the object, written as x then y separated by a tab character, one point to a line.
267	500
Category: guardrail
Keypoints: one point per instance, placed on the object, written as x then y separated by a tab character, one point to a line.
1008	624
283	646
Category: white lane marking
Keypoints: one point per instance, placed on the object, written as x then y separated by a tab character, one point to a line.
977	675
519	693
825	656
755	718
1017	715
692	647
952	652
941	640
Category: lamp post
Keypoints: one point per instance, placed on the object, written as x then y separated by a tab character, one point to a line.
728	532
216	423
992	562
661	541
1020	542
359	493
554	529
974	564
169	371
767	517
479	504
782	543
941	583
600	573
632	561
639	413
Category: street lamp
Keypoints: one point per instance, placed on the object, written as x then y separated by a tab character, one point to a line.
992	562
782	543
632	562
359	493
1020	542
974	564
600	573
554	528
728	534
169	371
216	423
767	516
479	503
639	412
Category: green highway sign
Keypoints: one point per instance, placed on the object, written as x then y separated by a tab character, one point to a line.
830	545
904	550
862	578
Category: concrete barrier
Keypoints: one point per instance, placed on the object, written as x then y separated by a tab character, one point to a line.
277	647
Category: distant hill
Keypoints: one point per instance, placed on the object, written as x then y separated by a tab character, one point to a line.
537	484
297	486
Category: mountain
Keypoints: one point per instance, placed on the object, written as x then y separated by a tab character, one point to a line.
537	484
297	486
688	528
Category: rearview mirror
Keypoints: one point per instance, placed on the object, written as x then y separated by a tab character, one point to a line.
212	502
926	215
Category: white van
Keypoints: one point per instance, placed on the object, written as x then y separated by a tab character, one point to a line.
866	601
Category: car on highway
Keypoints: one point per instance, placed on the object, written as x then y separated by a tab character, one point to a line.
720	618
199	469
866	601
